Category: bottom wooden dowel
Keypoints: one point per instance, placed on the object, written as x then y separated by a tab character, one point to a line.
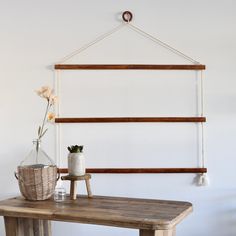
140	170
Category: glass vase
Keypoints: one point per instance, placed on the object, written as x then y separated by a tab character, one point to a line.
37	174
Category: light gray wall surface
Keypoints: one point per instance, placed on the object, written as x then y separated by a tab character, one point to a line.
36	34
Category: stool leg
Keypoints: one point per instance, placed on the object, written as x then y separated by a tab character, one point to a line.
73	189
88	188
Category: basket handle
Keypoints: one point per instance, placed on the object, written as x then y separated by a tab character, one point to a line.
16	175
58	175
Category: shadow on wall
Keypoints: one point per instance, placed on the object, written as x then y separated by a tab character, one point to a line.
226	217
11	161
221	218
74	229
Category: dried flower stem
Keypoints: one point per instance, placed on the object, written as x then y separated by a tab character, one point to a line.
46	93
41	128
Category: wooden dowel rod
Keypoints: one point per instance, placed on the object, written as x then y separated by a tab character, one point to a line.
139	170
127	67
129	119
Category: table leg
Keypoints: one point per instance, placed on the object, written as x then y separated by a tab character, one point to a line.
30	227
10	226
169	232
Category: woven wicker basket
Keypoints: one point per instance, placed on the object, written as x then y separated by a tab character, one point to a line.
37	183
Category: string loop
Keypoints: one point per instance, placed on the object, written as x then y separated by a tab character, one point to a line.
127	23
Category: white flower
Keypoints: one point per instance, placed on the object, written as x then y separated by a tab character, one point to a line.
53	99
45	92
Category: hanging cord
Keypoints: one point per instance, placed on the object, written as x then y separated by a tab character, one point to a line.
202	146
57	90
202	95
137	30
203	179
158	41
97	40
201	113
202	126
58	126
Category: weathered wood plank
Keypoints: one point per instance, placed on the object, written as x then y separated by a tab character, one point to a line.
11	226
19	226
110	211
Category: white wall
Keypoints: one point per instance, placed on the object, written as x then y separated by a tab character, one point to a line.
34	35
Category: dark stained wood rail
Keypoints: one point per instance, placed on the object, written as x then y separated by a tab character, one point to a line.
139	170
127	67
128	119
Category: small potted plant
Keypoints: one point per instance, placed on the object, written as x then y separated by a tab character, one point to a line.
76	161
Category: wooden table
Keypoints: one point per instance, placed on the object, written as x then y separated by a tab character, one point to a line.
150	217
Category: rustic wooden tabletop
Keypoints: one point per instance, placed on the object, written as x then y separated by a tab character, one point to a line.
111	211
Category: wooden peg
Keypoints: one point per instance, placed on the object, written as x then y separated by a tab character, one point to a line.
127	16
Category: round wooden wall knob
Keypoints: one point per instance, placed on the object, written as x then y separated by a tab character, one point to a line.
127	16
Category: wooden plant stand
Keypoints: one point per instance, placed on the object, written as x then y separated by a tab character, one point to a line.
73	184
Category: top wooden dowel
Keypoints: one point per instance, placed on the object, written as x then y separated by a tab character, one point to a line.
127	67
128	119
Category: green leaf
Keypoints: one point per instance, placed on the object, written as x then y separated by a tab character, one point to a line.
39	130
75	148
43	133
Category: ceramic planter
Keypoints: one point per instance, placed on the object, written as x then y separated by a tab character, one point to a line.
76	164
